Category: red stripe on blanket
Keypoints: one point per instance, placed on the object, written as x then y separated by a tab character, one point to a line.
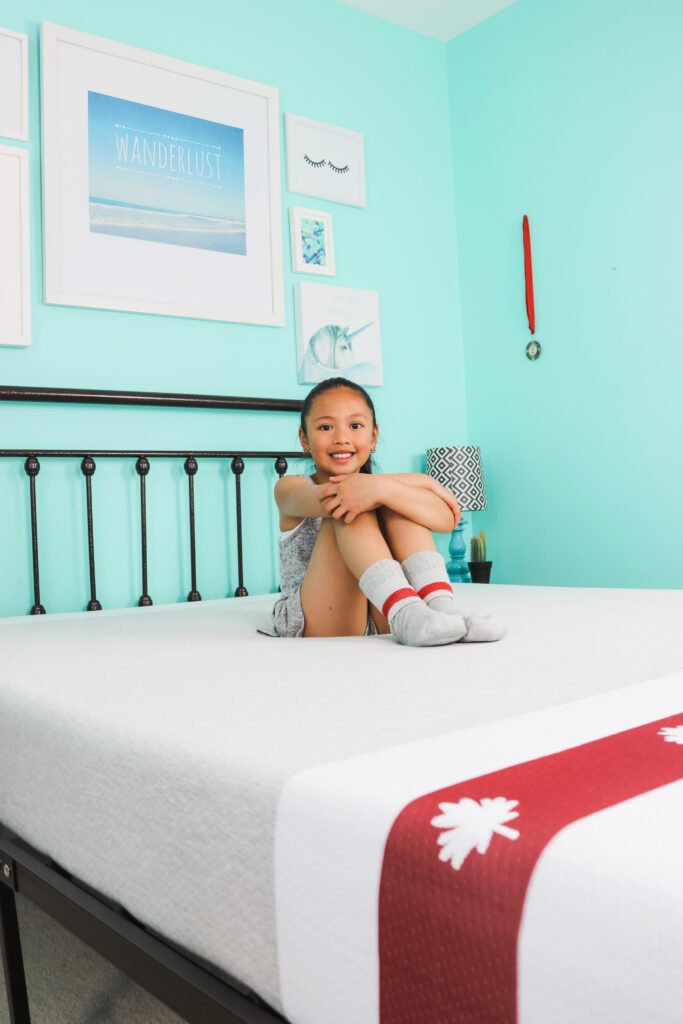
447	936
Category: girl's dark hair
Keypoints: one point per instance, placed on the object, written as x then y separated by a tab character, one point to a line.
332	384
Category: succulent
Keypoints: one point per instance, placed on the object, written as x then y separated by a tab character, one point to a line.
478	547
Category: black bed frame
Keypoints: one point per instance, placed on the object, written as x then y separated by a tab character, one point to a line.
183	985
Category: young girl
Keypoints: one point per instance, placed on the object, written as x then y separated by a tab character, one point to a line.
357	555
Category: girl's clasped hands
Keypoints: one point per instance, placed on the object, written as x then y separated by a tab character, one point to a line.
345	497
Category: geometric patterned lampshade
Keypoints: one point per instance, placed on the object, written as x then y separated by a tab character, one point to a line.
458	469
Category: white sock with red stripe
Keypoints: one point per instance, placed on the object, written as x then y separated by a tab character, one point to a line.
426	571
411	621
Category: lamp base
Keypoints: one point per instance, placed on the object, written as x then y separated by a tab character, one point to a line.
457	568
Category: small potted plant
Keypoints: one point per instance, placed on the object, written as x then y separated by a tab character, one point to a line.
480	569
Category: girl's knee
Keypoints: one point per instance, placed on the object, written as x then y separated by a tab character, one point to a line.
389	519
364	520
403	535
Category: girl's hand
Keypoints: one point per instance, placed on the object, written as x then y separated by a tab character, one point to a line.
345	497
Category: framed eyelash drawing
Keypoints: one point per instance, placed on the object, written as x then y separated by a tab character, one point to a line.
325	161
312	244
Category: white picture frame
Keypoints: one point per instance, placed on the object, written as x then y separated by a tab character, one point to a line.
161	184
325	161
15	291
312	241
338	334
13	85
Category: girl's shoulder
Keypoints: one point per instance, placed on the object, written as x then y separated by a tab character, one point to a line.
285	489
286	484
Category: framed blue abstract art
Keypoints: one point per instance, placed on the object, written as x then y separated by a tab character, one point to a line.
312	242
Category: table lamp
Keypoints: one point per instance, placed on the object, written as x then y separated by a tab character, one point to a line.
458	468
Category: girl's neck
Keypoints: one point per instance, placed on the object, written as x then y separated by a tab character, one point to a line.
320	477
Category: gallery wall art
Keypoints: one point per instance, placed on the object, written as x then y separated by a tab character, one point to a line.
15	303
312	241
161	184
337	333
325	160
13	85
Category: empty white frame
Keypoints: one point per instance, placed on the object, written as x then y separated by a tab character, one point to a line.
13	85
15	293
324	160
161	184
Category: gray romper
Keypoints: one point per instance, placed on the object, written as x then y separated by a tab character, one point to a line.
296	547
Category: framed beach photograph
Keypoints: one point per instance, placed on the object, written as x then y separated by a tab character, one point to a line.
13	85
325	160
312	242
161	184
15	293
337	334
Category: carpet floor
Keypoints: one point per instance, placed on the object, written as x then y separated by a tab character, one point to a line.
69	984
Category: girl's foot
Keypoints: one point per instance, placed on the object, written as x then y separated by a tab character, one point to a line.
419	626
426	572
410	620
482	629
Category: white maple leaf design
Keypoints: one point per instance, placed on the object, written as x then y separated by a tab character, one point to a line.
672	734
469	825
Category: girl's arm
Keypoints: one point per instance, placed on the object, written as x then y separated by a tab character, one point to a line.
346	497
298	497
424	480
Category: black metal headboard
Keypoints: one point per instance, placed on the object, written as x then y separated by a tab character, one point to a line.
142	466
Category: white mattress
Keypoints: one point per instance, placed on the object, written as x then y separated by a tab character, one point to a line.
146	750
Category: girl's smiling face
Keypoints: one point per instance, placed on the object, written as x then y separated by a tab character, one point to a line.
340	432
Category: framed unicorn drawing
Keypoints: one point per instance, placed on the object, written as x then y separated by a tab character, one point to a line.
337	334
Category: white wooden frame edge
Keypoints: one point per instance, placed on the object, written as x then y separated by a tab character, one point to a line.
22	156
51	36
23	39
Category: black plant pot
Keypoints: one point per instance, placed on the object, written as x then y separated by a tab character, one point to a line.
480	572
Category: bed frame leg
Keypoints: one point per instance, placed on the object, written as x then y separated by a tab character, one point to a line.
12	959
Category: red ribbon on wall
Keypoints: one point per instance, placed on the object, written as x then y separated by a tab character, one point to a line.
528	275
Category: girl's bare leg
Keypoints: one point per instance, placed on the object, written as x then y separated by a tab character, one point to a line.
403	536
332	602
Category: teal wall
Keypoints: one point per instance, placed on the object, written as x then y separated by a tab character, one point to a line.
330	63
570	111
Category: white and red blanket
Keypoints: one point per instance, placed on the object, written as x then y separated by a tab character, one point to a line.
526	871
